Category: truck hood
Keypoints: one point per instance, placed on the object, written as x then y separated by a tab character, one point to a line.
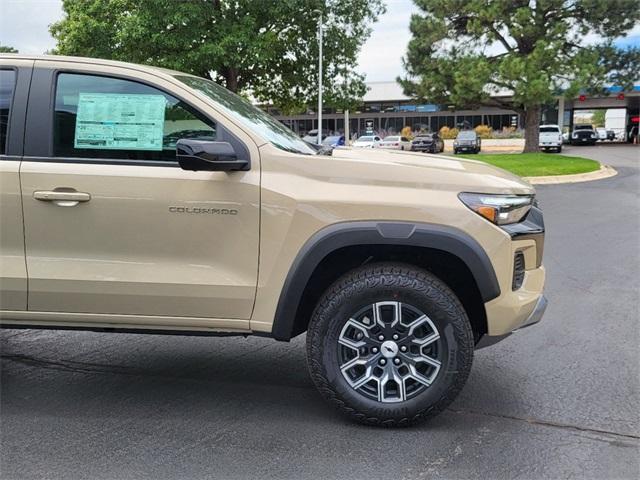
432	171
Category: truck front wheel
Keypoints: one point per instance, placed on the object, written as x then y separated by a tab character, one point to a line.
389	344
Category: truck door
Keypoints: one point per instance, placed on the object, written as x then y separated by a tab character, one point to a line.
15	75
115	226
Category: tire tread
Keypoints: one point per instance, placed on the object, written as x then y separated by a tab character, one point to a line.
388	274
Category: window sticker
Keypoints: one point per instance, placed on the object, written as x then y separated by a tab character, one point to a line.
119	121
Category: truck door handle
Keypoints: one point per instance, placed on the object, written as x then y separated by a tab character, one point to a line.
62	198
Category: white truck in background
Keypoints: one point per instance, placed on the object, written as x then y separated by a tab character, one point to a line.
550	138
615	119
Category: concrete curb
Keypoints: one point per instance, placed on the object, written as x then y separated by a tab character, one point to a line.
605	172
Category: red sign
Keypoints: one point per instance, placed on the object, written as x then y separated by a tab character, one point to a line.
582	98
635	119
621	96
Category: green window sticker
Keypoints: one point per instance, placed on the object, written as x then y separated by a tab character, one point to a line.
119	121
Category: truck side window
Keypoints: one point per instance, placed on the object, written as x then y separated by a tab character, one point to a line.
112	118
7	85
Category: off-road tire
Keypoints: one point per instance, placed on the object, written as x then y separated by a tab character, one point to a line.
381	282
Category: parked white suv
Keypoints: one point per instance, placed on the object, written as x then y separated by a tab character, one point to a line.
550	138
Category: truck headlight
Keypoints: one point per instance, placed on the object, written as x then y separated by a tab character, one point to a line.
498	209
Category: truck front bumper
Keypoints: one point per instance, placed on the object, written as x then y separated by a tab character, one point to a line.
534	317
523	304
538	312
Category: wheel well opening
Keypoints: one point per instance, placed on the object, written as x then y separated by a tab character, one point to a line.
447	267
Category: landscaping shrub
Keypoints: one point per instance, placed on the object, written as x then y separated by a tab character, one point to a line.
406	132
484	131
508	132
448	133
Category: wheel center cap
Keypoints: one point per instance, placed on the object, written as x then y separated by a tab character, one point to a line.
389	349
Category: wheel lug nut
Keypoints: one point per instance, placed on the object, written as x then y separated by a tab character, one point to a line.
396	361
403	348
381	337
395	336
383	361
374	350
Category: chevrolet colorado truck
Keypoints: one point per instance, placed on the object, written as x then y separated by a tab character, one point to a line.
138	199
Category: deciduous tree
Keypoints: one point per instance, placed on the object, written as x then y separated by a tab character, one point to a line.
266	48
463	52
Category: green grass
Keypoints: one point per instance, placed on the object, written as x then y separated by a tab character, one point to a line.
537	164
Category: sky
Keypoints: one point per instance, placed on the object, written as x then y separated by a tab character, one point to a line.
24	24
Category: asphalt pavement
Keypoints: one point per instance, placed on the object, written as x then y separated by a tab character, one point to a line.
558	400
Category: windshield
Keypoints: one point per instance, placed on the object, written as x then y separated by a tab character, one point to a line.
428	136
583	127
250	116
391	139
549	130
469	135
365	139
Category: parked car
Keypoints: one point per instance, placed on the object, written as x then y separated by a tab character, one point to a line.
367	141
428	142
632	136
396	142
601	133
550	138
467	141
312	136
583	135
334	141
397	269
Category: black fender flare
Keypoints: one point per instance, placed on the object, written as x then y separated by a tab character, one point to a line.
347	234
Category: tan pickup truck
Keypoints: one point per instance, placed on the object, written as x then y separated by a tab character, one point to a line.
136	199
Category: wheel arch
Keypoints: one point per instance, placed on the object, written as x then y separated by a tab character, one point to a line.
338	248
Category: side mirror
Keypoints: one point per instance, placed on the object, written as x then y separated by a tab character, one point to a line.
207	155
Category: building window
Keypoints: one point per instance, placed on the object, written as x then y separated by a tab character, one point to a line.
391	124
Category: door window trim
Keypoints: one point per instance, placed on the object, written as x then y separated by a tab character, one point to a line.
40	117
7	133
17	110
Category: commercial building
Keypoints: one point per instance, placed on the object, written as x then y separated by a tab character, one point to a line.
386	109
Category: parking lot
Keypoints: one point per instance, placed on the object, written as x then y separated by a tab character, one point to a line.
558	400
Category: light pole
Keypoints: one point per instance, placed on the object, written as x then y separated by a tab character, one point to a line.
320	80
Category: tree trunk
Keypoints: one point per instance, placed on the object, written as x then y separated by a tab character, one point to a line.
532	128
231	79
